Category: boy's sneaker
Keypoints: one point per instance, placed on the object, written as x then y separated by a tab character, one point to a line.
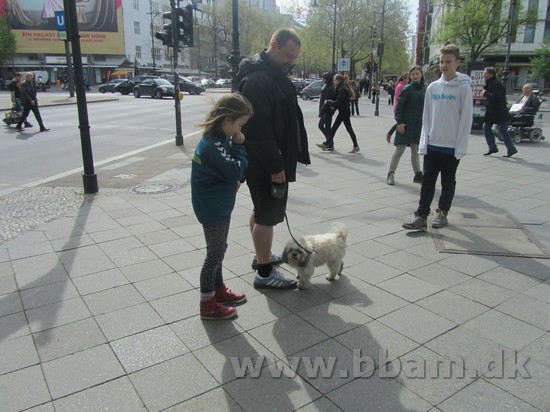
418	177
355	149
212	309
390	179
226	295
275	280
328	149
440	220
321	146
418	223
274	259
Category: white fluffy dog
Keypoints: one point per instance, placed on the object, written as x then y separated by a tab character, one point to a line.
317	250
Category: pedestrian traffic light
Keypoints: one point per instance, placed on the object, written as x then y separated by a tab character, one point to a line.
185	25
373	32
166	36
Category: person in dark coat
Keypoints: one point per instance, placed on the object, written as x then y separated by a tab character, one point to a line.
276	140
328	92
27	90
355	101
496	112
530	102
408	116
344	93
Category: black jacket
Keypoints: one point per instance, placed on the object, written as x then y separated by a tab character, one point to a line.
27	92
496	109
276	137
531	106
341	103
328	92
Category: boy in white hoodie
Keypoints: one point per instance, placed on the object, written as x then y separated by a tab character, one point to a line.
446	124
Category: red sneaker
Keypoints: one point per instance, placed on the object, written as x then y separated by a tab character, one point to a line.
225	295
211	309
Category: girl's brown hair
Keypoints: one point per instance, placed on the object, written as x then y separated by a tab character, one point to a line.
233	106
419	68
350	91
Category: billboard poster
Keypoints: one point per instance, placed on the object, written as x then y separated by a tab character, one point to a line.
33	24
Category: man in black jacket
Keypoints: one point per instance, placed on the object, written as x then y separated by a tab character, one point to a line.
496	112
328	92
276	140
13	87
27	89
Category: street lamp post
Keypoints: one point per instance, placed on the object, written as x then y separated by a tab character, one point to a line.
235	57
152	37
380	53
506	71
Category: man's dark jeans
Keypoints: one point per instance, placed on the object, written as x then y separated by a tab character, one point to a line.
434	164
490	137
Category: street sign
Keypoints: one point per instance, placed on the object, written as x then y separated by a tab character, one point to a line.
62	35
60	20
343	64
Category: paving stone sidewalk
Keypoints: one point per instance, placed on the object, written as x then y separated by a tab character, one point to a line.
99	293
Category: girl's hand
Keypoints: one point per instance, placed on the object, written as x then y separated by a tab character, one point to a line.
238	138
401	128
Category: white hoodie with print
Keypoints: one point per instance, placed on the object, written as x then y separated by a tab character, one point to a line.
448	115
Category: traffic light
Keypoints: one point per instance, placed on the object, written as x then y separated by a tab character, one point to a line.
166	36
373	36
185	25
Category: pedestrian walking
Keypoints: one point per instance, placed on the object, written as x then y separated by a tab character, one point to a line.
391	92
496	112
328	92
446	123
219	165
408	116
401	83
276	139
344	93
28	93
355	100
375	88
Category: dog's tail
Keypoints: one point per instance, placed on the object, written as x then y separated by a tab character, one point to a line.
341	230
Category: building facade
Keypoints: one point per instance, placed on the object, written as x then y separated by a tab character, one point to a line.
526	39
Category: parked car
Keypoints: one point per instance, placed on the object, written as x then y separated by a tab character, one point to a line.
311	91
156	88
109	86
127	86
208	83
299	85
223	83
185	84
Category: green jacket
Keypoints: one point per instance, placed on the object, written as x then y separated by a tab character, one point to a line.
409	111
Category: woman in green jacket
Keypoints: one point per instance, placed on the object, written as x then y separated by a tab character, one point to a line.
408	115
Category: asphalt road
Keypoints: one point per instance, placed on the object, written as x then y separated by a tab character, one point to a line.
117	128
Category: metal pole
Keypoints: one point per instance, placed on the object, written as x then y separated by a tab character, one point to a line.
380	53
215	42
70	78
175	41
371	70
89	178
334	40
152	38
235	57
506	71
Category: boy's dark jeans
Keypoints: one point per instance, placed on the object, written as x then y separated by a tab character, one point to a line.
435	163
325	122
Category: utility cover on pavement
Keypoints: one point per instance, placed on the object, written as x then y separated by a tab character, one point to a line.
487	231
153	188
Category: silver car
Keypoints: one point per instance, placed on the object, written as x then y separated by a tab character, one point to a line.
312	91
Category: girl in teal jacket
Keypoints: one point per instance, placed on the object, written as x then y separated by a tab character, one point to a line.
219	165
408	115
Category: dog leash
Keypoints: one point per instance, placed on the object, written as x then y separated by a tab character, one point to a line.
293	238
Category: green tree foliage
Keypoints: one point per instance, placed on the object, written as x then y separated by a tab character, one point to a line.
354	19
7	43
479	26
541	62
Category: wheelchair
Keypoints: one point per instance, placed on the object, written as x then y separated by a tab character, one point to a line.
521	127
